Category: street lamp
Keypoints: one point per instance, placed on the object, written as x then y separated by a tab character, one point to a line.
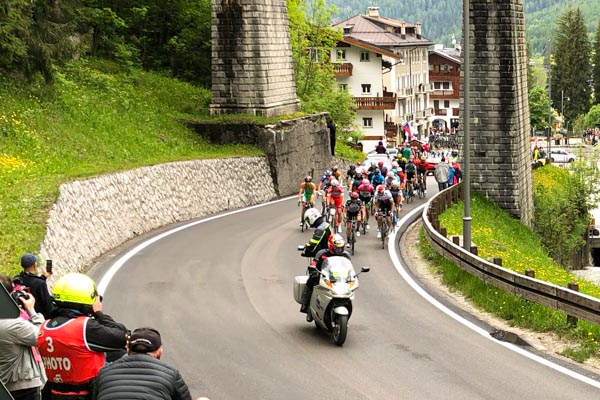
467	128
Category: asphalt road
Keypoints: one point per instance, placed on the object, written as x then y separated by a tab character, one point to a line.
220	292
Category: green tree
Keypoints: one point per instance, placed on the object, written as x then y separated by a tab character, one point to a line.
313	40
538	107
593	117
571	69
596	68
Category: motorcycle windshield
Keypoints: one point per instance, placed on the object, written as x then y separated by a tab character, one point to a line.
338	268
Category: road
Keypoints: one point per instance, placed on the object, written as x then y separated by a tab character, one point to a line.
220	292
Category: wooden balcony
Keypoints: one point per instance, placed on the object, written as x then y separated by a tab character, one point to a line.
387	102
342	69
441	111
422	114
391	129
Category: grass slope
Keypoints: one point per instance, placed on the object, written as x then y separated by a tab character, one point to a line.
96	119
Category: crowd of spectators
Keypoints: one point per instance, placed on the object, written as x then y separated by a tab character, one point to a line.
64	347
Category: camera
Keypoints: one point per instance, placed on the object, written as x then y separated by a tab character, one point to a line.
17	294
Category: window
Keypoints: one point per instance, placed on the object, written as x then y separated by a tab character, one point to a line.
446	103
364	56
436	104
445	85
367	122
314	55
431	67
437	85
366	88
341	54
343	87
444	67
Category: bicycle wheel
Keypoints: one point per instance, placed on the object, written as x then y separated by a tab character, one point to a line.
384	229
352	238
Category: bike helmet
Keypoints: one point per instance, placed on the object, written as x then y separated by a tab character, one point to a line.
395	164
380	164
352	167
358	176
334	182
334	168
394	171
308	178
365	181
328	173
380	188
336	244
377	171
390	174
354	195
311	215
76	291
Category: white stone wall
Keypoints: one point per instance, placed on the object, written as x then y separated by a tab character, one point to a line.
94	216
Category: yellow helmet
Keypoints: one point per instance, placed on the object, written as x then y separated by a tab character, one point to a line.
75	289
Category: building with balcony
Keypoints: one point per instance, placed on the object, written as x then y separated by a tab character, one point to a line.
388	76
444	76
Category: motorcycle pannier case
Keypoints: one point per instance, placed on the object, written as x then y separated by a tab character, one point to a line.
299	283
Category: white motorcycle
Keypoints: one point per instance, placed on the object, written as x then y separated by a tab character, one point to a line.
331	299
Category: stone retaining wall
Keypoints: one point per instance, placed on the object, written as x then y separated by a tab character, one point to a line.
94	216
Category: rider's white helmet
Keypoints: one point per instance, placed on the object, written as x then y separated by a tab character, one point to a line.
311	215
334	182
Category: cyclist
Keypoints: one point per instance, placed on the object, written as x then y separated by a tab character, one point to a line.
336	173
411	172
390	178
306	196
422	172
398	198
377	178
350	175
358	178
335	198
324	182
335	247
321	235
383	204
355	210
365	194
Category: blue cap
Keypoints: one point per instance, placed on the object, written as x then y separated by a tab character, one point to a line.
28	260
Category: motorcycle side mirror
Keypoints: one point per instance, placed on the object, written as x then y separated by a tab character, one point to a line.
365	269
301	248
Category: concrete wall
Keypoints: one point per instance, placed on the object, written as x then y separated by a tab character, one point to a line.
500	152
94	216
295	147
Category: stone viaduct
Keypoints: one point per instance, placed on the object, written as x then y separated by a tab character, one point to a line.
253	73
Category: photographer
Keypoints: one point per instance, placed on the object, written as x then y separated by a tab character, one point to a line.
20	366
73	343
36	283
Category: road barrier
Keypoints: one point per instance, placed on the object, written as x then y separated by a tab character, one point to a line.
569	300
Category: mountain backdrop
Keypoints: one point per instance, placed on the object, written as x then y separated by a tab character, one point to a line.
442	19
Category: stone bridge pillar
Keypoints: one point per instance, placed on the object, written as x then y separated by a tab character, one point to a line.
252	66
500	128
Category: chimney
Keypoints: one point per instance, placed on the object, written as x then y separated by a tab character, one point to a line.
374	11
403	30
418	29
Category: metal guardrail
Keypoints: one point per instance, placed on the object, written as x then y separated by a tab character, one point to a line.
573	303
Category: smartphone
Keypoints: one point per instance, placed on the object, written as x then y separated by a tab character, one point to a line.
49	266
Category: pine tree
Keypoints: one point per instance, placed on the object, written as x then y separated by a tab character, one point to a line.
571	69
596	68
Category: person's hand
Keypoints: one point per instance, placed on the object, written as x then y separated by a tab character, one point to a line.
27	301
97	306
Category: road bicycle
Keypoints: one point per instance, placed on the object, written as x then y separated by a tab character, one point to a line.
420	187
383	229
409	193
352	236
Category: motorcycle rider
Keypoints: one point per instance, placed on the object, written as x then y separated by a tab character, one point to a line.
74	341
336	247
321	235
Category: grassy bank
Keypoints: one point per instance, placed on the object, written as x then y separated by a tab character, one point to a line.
498	234
95	120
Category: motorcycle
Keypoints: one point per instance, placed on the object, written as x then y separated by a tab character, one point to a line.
331	300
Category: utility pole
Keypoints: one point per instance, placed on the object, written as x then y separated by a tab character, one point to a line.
549	98
467	220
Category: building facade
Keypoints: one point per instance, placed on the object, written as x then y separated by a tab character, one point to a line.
444	77
387	75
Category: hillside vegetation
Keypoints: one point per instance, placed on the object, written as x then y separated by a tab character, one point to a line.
95	119
443	19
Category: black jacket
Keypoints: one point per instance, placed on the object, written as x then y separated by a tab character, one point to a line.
319	238
39	289
140	376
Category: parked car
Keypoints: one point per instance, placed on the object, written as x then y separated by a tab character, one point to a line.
391	152
558	155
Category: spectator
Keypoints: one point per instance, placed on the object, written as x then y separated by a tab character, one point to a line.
442	174
79	334
36	283
332	129
141	374
380	149
457	173
451	176
20	365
